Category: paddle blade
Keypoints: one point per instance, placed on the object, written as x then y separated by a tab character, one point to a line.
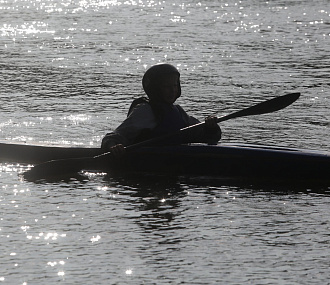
67	167
268	106
55	168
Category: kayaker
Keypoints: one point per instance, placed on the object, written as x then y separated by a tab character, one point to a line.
158	115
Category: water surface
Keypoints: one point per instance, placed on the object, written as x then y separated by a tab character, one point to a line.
69	71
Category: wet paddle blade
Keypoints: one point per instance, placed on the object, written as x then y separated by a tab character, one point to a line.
67	167
54	168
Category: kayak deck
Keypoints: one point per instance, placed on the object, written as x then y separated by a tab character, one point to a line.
38	153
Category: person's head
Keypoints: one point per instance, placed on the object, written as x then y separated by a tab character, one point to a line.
161	83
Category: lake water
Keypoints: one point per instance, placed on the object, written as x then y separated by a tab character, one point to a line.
69	70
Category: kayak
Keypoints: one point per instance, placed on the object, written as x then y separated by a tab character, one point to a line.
222	160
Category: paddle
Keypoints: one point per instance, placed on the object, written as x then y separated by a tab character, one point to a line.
74	165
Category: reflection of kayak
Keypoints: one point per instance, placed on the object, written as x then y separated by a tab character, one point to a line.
225	160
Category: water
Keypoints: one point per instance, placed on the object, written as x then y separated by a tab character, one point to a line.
69	70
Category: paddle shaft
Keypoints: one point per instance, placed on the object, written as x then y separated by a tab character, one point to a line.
66	166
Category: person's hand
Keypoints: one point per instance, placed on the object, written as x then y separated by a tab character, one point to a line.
211	122
118	150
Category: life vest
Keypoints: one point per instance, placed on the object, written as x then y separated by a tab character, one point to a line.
169	120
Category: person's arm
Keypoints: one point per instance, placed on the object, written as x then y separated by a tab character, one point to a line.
209	133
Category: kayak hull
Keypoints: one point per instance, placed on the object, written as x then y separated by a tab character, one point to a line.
244	161
225	160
